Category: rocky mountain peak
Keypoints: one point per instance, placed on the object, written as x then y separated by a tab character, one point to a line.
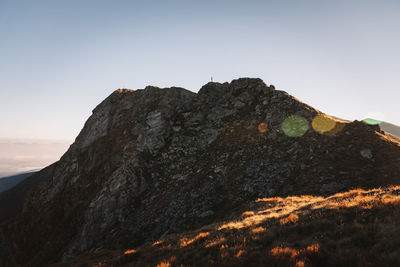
153	161
124	105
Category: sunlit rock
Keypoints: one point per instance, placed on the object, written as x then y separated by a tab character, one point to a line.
366	153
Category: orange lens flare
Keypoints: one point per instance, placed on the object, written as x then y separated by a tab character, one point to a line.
262	127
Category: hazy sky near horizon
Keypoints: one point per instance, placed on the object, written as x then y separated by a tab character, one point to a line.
59	59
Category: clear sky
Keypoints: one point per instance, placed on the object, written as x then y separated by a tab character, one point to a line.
60	58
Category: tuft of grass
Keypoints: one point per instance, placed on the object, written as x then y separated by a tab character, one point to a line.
292	218
240	253
159	242
284	252
128	252
164	264
258	230
248	213
216	242
186	241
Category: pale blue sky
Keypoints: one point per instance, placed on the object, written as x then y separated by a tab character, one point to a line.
59	59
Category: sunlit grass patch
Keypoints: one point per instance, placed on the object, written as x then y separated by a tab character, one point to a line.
284	251
360	198
167	263
248	213
164	264
304	230
390	200
314	248
186	241
129	252
216	242
258	230
271	199
292	218
158	242
240	253
294	254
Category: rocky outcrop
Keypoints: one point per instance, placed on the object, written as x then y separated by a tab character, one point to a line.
157	161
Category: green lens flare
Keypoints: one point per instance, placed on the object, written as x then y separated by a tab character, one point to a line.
295	126
371	121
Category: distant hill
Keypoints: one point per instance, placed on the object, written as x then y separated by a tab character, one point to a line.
390	128
10	181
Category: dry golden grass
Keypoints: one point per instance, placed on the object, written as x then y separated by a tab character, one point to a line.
240	253
158	242
248	213
354	228
272	199
292	218
279	252
128	252
314	248
216	242
293	254
284	208
185	241
164	264
224	246
258	230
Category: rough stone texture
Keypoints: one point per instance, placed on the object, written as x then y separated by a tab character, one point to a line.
157	161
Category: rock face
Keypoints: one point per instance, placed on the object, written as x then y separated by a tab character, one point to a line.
157	161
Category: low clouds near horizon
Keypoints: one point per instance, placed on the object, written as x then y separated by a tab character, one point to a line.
23	155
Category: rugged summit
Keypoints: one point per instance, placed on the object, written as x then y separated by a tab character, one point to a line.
157	161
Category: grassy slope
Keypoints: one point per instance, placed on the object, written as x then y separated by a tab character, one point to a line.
354	228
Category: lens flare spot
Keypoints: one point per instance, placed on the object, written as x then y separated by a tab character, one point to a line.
295	126
262	127
370	121
323	124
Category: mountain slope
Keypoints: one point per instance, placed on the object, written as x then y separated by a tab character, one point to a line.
12	200
158	161
353	228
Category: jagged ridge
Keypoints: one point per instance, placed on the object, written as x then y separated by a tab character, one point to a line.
157	161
